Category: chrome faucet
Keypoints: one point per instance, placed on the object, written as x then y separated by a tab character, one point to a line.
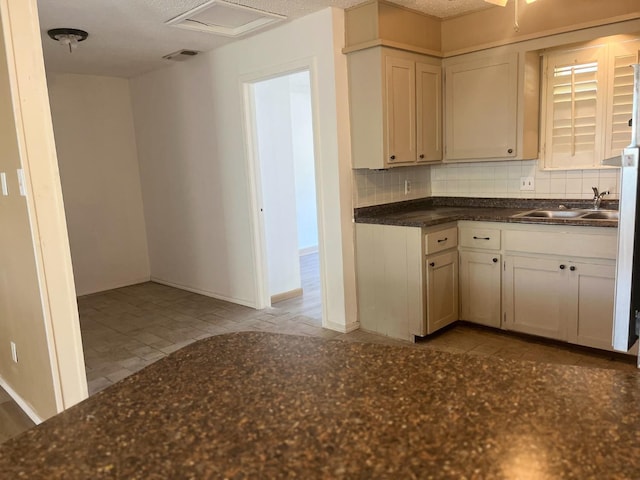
597	197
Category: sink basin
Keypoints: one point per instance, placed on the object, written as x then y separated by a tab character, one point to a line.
552	214
571	213
602	215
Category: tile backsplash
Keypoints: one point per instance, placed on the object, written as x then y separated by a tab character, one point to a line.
480	179
373	187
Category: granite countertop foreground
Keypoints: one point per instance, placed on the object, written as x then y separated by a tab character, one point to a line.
427	212
261	405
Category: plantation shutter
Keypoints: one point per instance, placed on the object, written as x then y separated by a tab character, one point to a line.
621	99
575	100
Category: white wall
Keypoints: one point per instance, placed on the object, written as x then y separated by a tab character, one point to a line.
275	151
97	155
305	180
38	308
194	168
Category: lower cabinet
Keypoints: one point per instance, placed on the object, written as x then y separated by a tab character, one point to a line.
568	300
559	283
480	278
442	290
407	279
546	280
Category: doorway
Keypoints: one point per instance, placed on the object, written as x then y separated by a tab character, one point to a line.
282	135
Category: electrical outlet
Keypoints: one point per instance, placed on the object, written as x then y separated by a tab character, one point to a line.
407	187
14	352
527	183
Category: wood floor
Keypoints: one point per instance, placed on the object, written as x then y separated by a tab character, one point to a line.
126	329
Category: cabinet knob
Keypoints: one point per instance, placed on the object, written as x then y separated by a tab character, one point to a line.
432	264
393	157
562	267
495	260
572	268
422	155
510	150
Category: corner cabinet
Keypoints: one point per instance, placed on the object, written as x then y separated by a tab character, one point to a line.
395	108
407	279
491	107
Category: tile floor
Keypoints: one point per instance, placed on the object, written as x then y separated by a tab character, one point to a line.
126	329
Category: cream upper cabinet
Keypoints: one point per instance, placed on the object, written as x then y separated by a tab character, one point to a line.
491	107
395	108
400	110
428	113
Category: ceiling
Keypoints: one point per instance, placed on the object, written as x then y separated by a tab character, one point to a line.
129	37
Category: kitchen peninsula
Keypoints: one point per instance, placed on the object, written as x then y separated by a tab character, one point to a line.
259	405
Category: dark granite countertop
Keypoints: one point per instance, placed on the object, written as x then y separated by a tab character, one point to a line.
260	405
432	211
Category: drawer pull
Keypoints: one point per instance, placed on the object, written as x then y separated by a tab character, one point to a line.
481	238
495	260
432	264
443	240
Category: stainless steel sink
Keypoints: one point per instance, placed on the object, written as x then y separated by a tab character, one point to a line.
585	214
552	214
602	215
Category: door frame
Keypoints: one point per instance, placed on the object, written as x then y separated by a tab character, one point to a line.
259	250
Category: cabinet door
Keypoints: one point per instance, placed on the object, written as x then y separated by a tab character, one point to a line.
481	108
400	110
480	274
534	294
428	112
593	297
442	290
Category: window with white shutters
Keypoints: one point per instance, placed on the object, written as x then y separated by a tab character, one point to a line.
618	134
575	98
587	103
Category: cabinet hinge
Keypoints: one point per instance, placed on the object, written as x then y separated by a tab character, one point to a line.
504	317
504	266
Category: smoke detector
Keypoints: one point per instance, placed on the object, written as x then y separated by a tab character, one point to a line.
220	17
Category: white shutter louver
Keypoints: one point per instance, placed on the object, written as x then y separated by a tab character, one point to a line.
621	101
574	103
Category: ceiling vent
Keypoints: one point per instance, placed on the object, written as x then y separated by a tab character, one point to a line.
181	55
224	18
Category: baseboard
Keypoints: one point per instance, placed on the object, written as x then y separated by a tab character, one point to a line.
26	408
308	251
349	327
206	293
279	297
113	286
